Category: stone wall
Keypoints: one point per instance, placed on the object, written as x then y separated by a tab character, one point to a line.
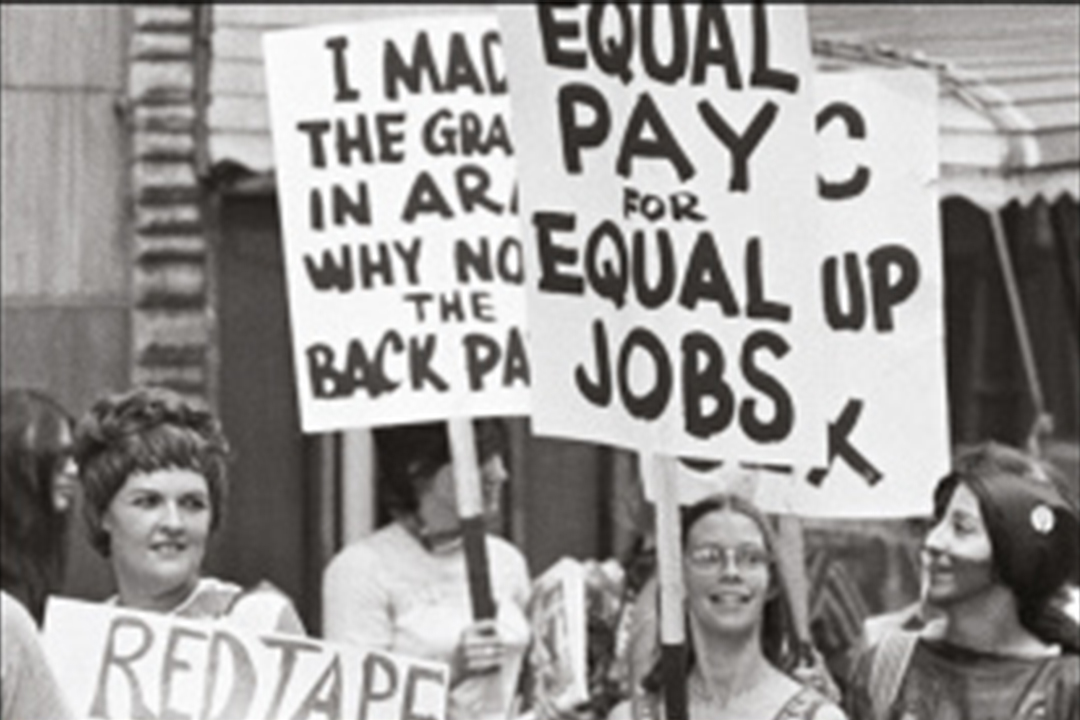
172	326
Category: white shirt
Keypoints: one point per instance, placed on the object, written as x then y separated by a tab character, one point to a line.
387	592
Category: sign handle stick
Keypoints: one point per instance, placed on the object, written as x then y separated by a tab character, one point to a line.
791	554
672	592
1043	422
471	513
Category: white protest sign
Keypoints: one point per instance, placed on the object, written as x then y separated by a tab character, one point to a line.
117	664
882	297
396	184
558	654
882	300
667	165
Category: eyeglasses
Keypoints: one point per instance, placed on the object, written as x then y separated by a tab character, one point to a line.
711	557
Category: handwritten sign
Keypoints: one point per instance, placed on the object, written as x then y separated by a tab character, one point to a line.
667	166
396	182
881	288
118	664
882	296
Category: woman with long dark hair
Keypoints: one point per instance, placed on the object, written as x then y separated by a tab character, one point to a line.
38	484
741	631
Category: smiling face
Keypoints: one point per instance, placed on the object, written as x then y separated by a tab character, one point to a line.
158	525
957	553
727	573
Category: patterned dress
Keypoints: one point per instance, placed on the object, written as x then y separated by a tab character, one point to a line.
946	682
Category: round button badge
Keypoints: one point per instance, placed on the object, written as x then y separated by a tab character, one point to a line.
1042	519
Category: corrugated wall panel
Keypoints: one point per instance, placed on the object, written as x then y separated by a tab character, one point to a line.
1061	114
955	116
1013	73
939	24
1038	90
237	43
237	116
253	150
295	15
1062	143
974	150
230	77
233	112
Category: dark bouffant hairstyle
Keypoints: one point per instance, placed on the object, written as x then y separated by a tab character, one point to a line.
35	447
1034	533
409	454
140	431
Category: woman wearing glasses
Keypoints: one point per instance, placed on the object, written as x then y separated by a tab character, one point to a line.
742	642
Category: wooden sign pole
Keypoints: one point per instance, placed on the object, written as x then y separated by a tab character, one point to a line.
471	513
791	554
672	591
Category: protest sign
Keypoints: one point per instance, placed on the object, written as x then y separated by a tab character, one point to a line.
397	196
667	166
882	297
119	664
881	288
558	654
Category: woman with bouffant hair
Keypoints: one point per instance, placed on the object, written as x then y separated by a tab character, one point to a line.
1002	545
153	467
38	488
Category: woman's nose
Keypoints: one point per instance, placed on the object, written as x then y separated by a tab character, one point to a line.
171	516
729	571
934	542
729	564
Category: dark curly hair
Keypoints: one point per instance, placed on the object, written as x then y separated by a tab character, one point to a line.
141	431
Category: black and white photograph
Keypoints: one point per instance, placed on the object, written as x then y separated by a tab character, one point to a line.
540	361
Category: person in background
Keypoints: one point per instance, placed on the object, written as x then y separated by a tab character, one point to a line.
38	486
741	636
405	589
28	688
153	468
1002	546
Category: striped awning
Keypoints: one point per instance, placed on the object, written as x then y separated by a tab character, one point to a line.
1009	78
